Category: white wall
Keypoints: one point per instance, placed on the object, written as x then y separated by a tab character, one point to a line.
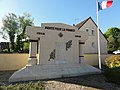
51	38
13	61
18	61
92	59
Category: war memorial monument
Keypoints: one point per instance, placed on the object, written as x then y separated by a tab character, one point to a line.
60	53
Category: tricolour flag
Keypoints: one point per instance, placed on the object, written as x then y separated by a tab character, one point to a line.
104	4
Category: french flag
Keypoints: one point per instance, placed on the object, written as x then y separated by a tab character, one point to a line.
104	4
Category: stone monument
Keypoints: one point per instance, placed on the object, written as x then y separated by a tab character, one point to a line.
60	53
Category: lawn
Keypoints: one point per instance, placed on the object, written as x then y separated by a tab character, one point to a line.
24	86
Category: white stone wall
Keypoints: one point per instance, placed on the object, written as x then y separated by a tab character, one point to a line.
50	40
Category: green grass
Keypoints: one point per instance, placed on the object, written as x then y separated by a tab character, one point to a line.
24	86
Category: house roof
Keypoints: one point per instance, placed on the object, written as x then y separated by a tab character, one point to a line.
79	25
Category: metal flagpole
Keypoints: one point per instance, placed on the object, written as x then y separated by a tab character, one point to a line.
98	34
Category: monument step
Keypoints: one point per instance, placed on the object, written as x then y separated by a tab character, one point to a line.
40	72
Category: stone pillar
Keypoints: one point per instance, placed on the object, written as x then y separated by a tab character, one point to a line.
81	52
38	51
32	60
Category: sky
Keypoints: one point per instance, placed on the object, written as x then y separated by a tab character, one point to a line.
62	11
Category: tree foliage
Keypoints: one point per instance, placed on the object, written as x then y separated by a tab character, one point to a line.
10	26
23	22
113	37
14	26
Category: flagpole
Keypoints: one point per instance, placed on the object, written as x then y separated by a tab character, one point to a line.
98	34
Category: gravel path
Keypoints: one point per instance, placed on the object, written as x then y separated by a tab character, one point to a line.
4	77
88	82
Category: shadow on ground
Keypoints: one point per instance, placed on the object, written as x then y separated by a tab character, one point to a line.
95	81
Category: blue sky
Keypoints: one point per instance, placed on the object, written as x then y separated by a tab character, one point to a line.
64	11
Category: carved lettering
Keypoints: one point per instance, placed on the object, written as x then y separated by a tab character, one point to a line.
40	33
59	29
78	36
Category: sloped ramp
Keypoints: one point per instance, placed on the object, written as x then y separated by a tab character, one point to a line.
39	72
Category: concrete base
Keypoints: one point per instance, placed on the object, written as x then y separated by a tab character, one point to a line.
38	72
32	61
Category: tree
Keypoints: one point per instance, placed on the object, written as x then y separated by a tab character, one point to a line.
113	37
15	27
10	26
23	22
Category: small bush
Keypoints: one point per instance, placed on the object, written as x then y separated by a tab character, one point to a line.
112	70
26	47
113	61
5	51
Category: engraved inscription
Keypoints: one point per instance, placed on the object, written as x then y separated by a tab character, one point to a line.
78	36
40	33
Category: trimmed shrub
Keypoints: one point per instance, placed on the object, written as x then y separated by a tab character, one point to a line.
113	61
112	69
